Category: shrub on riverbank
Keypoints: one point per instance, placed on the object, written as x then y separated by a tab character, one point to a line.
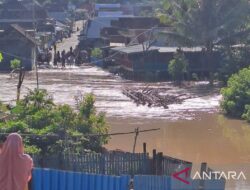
236	96
178	67
54	128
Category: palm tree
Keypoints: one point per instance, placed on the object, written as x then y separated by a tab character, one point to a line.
208	23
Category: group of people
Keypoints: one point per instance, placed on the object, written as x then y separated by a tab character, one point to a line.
63	57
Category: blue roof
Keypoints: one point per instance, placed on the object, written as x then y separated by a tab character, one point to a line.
99	6
110	14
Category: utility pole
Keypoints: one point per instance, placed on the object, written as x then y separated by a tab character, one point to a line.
34	28
136	136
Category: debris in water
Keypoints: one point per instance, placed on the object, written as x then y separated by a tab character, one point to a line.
153	97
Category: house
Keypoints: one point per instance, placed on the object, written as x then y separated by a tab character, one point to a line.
137	22
58	11
146	63
102	18
26	14
17	43
130	29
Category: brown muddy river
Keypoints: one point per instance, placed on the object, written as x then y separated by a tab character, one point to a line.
193	130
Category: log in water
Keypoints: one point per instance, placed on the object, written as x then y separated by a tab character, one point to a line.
153	97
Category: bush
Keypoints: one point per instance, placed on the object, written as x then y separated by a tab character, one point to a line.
54	129
178	67
236	96
15	64
1	57
97	53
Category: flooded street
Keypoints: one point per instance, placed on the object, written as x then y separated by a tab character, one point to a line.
193	130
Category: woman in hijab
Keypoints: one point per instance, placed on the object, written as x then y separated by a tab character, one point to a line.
15	166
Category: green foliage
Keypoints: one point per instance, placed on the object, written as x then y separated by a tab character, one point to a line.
209	22
1	57
15	64
236	96
246	115
55	129
97	53
178	67
233	59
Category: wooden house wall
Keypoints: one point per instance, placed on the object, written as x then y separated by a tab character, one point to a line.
150	61
17	47
154	61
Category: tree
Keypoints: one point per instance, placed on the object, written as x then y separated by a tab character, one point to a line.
55	129
96	53
236	96
1	57
178	67
233	60
16	66
208	23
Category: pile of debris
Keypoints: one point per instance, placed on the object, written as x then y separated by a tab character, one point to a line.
153	97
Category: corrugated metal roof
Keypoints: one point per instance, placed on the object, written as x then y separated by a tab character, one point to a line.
99	6
184	49
133	49
139	48
23	33
110	13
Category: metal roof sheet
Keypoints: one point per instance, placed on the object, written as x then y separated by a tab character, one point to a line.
139	48
99	6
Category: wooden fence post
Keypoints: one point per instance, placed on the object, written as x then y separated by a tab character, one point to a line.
202	181
102	164
144	148
154	167
159	163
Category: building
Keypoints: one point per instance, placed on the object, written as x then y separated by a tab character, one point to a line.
26	14
58	11
17	43
103	16
152	63
130	29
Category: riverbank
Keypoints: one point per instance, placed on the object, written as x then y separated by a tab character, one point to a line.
193	130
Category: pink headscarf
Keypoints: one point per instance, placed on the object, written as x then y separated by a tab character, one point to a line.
15	166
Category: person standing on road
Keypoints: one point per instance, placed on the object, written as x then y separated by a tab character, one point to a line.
55	60
15	166
63	57
58	56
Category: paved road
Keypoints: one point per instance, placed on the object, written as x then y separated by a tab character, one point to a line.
72	41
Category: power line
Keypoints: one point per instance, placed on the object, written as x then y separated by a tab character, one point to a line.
92	62
89	135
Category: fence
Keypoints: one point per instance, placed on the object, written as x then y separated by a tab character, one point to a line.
168	183
113	163
46	179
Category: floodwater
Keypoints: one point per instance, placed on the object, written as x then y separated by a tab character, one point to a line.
193	131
